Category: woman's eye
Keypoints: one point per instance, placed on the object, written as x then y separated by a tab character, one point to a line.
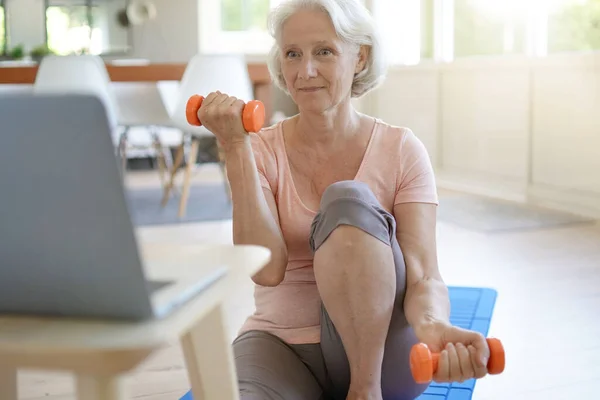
325	52
291	53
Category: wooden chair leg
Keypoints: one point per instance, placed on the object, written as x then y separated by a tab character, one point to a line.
185	191
169	186
209	359
8	383
160	157
91	387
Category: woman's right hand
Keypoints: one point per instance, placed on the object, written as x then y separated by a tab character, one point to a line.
222	115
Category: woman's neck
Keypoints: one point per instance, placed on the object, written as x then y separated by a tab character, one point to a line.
328	129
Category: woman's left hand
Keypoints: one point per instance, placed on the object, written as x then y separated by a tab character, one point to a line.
463	353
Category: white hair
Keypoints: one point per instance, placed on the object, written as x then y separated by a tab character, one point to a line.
353	25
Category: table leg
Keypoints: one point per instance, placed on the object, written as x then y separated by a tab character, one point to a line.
92	387
209	359
8	383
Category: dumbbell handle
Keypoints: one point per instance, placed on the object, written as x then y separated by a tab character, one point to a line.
253	114
424	363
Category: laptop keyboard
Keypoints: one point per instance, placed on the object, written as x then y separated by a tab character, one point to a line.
153	286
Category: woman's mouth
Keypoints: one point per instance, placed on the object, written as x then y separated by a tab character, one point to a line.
310	89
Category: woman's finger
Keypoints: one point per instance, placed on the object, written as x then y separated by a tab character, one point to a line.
483	352
210	98
454	363
466	364
443	371
478	370
230	101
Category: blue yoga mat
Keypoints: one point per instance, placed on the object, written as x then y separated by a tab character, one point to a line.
471	308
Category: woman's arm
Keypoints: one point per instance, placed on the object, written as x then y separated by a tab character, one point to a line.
463	353
255	219
255	216
426	302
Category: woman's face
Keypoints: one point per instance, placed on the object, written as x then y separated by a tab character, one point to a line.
317	66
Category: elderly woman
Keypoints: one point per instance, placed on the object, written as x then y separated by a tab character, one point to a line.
347	205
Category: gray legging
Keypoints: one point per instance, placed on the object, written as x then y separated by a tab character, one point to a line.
269	369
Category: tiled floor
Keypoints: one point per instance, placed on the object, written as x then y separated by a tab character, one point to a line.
547	313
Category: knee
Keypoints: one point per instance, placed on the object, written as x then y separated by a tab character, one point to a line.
347	190
350	204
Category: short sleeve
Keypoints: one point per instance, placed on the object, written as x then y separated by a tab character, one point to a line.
265	162
416	182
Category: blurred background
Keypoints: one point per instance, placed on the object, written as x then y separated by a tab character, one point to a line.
503	93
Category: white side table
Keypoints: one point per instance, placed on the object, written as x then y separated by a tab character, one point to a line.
99	353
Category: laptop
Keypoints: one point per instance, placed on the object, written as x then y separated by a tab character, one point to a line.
67	242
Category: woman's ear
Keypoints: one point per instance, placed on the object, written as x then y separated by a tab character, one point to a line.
363	54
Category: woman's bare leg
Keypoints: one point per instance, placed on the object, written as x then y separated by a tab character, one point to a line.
356	276
361	275
357	281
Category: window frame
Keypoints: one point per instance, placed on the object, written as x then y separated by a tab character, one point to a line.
214	40
5	23
88	4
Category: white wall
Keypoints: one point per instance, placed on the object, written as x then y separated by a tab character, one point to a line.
173	36
519	129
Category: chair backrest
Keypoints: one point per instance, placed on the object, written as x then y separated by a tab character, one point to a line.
77	74
227	73
140	104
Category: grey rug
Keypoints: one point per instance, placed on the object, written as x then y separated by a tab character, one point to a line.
207	202
491	215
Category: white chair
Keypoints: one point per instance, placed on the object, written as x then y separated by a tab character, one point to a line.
81	74
205	74
141	105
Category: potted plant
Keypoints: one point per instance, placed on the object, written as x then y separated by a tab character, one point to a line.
39	52
17	52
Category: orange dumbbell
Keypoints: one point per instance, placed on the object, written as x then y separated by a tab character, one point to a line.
253	115
424	363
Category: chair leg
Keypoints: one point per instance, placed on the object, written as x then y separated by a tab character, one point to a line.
185	192
160	155
178	160
123	151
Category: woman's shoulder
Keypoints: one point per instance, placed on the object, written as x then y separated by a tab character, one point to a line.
393	132
397	138
268	137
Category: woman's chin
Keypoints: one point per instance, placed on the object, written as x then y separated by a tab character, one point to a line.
312	106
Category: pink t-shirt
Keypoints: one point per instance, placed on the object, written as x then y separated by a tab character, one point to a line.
396	167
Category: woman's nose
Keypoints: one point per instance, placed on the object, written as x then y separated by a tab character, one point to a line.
308	69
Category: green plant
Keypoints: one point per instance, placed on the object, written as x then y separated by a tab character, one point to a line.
17	52
40	51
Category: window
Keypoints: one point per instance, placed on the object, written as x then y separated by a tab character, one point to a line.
489	27
574	25
427	29
3	43
235	26
537	28
85	26
244	15
403	25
